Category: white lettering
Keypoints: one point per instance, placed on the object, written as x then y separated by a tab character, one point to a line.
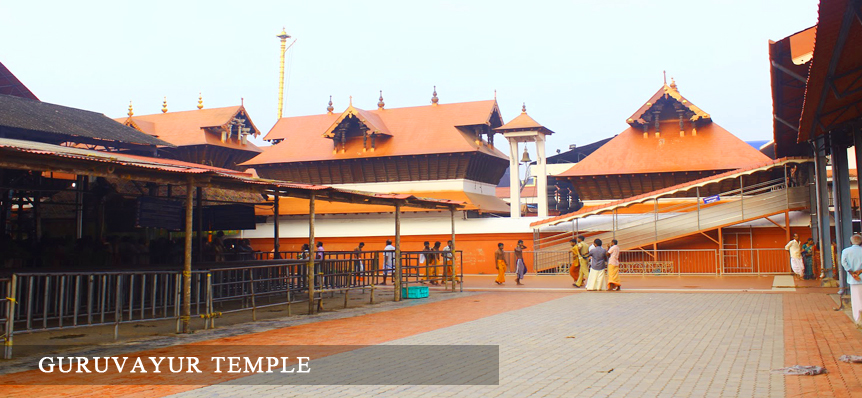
138	364
233	362
284	366
96	364
156	364
50	364
303	363
255	367
171	363
117	363
60	365
271	362
82	363
193	363
218	361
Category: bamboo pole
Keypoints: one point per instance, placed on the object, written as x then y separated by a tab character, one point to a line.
311	255
187	259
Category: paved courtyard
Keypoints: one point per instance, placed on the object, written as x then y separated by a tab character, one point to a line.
711	344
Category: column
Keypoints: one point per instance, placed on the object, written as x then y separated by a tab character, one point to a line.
187	259
822	207
541	176
514	181
841	202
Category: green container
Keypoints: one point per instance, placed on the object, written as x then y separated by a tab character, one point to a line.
414	292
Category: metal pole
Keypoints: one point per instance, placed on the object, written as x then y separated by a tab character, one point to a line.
397	282
10	317
276	246
187	254
310	268
452	247
698	207
200	226
741	198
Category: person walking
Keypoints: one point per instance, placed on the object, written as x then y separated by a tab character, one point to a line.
614	282
423	261
500	263
795	250
598	278
851	260
807	258
575	267
434	261
449	255
388	260
358	266
520	267
583	259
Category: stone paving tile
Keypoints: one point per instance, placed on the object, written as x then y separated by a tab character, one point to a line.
663	345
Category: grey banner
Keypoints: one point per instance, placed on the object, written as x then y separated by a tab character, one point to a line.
269	365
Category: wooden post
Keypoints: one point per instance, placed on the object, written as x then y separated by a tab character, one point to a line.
79	206
720	252
452	247
311	255
187	259
397	281
276	247
200	226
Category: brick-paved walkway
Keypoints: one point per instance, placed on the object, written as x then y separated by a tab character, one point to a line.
657	345
817	335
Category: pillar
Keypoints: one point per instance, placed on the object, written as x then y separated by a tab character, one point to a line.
309	274
397	281
541	176
187	258
79	206
841	203
821	187
514	181
276	246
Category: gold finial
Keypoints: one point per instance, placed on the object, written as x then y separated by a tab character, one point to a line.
330	108
434	99
664	77
495	93
283	35
351	100
672	83
165	105
200	101
130	109
380	103
524	107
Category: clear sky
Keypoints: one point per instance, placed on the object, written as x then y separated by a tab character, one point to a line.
582	67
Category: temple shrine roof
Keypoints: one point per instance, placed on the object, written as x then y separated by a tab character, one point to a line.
197	127
420	130
10	85
692	144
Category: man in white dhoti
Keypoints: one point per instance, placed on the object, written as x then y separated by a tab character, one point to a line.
851	260
795	249
598	279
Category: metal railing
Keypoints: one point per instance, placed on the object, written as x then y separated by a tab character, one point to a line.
33	301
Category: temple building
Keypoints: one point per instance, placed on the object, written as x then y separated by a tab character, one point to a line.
669	141
216	137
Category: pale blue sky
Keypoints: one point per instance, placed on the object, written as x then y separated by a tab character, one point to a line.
582	67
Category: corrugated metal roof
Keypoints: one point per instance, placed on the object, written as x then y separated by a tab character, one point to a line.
66	123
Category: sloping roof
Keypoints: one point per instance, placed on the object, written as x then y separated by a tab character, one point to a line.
187	128
10	85
577	154
833	91
769	164
523	122
668	91
370	120
417	130
67	123
713	148
788	72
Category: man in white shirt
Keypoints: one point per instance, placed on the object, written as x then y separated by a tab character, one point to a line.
795	249
388	260
851	260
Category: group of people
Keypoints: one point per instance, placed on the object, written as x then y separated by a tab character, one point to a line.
502	265
595	266
802	257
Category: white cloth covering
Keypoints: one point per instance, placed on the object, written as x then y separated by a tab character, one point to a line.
856	301
598	280
797	266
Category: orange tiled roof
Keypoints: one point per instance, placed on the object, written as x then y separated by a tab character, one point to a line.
713	148
523	122
419	130
188	127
